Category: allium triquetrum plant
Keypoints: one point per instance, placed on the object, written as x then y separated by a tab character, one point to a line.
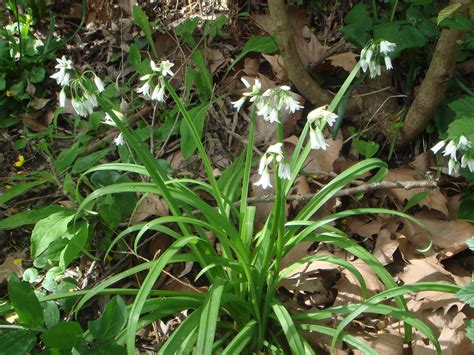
241	311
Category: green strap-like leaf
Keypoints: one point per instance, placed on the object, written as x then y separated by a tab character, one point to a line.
208	322
292	335
240	341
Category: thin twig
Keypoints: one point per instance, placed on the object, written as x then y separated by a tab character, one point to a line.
364	188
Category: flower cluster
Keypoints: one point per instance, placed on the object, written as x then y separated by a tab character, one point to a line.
451	149
269	103
83	100
317	119
155	89
274	153
369	57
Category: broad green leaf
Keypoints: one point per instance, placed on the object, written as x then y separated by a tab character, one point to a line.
405	36
367	149
51	314
30	275
358	24
18	342
462	127
466	294
87	162
48	230
135	58
208	322
447	12
463	107
25	302
29	217
187	27
37	74
141	19
63	335
111	321
470	329
415	199
258	44
67	157
17	190
188	146
77	241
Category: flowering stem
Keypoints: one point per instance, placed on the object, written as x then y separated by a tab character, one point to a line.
202	152
394	9
248	166
374	11
280	127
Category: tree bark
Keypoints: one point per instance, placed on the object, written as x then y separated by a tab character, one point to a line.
433	87
297	73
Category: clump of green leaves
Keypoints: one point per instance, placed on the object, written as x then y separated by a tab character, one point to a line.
23	59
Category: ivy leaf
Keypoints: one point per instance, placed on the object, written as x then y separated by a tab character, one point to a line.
466	294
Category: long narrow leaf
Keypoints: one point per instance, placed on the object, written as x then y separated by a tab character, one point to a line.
292	335
240	341
147	286
208	321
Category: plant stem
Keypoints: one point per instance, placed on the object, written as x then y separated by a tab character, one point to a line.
374	11
394	9
248	166
19	35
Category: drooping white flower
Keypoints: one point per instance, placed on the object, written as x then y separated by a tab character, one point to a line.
109	121
239	103
64	67
375	69
451	150
99	83
370	56
78	106
158	93
284	171
119	140
154	67
316	138
165	68
264	180
387	47
464	143
453	166
62	98
437	147
321	114
275	148
388	62
467	162
366	57
84	106
273	154
144	89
